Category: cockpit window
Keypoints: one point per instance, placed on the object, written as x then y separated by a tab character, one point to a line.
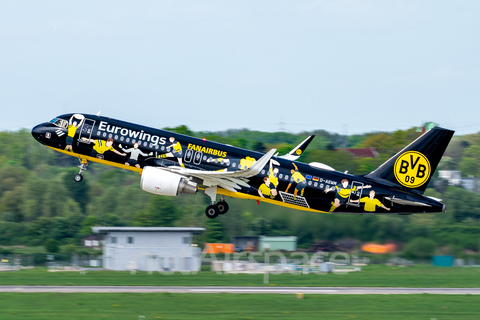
60	122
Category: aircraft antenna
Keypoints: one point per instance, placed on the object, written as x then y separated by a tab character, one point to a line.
281	125
98	113
345	135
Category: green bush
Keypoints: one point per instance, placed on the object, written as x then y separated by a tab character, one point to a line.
455	250
68	248
39	259
5	251
10	232
51	245
31	241
421	248
83	251
470	242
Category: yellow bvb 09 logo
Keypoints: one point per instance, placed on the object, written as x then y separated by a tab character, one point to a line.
412	169
299	152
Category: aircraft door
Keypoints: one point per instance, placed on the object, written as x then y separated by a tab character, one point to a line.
192	155
198	157
87	129
188	156
355	196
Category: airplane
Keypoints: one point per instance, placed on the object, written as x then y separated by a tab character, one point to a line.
172	163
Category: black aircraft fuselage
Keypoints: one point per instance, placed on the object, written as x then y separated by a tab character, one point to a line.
172	163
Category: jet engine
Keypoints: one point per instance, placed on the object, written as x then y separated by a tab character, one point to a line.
165	183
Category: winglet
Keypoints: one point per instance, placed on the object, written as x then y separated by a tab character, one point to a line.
296	152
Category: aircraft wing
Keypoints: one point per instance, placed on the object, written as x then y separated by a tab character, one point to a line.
229	180
296	152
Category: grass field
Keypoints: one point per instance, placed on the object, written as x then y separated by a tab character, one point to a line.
234	306
370	276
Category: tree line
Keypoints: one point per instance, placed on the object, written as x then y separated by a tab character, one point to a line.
40	201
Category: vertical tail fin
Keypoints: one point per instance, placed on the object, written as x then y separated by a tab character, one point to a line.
414	165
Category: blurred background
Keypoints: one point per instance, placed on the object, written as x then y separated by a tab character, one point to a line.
43	210
367	77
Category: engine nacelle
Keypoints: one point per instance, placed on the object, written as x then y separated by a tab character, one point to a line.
165	183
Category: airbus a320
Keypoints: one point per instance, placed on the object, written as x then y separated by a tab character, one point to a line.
171	163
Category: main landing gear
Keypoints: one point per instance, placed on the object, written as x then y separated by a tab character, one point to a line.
214	209
83	167
222	206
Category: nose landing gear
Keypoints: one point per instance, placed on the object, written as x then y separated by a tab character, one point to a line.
83	167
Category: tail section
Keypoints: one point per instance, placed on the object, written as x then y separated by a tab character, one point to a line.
414	165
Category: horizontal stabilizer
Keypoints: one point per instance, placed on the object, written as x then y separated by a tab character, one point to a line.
407	202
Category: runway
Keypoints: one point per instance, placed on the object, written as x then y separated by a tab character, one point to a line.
271	290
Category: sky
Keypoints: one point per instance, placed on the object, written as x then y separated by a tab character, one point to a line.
345	66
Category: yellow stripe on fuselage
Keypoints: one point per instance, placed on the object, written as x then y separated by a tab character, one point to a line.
221	191
108	163
278	203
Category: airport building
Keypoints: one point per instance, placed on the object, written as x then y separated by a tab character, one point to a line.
150	248
94	241
286	243
263	243
246	243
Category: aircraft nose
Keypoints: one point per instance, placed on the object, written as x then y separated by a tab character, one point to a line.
38	132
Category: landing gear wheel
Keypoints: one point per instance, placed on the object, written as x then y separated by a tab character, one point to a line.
83	167
212	211
222	207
